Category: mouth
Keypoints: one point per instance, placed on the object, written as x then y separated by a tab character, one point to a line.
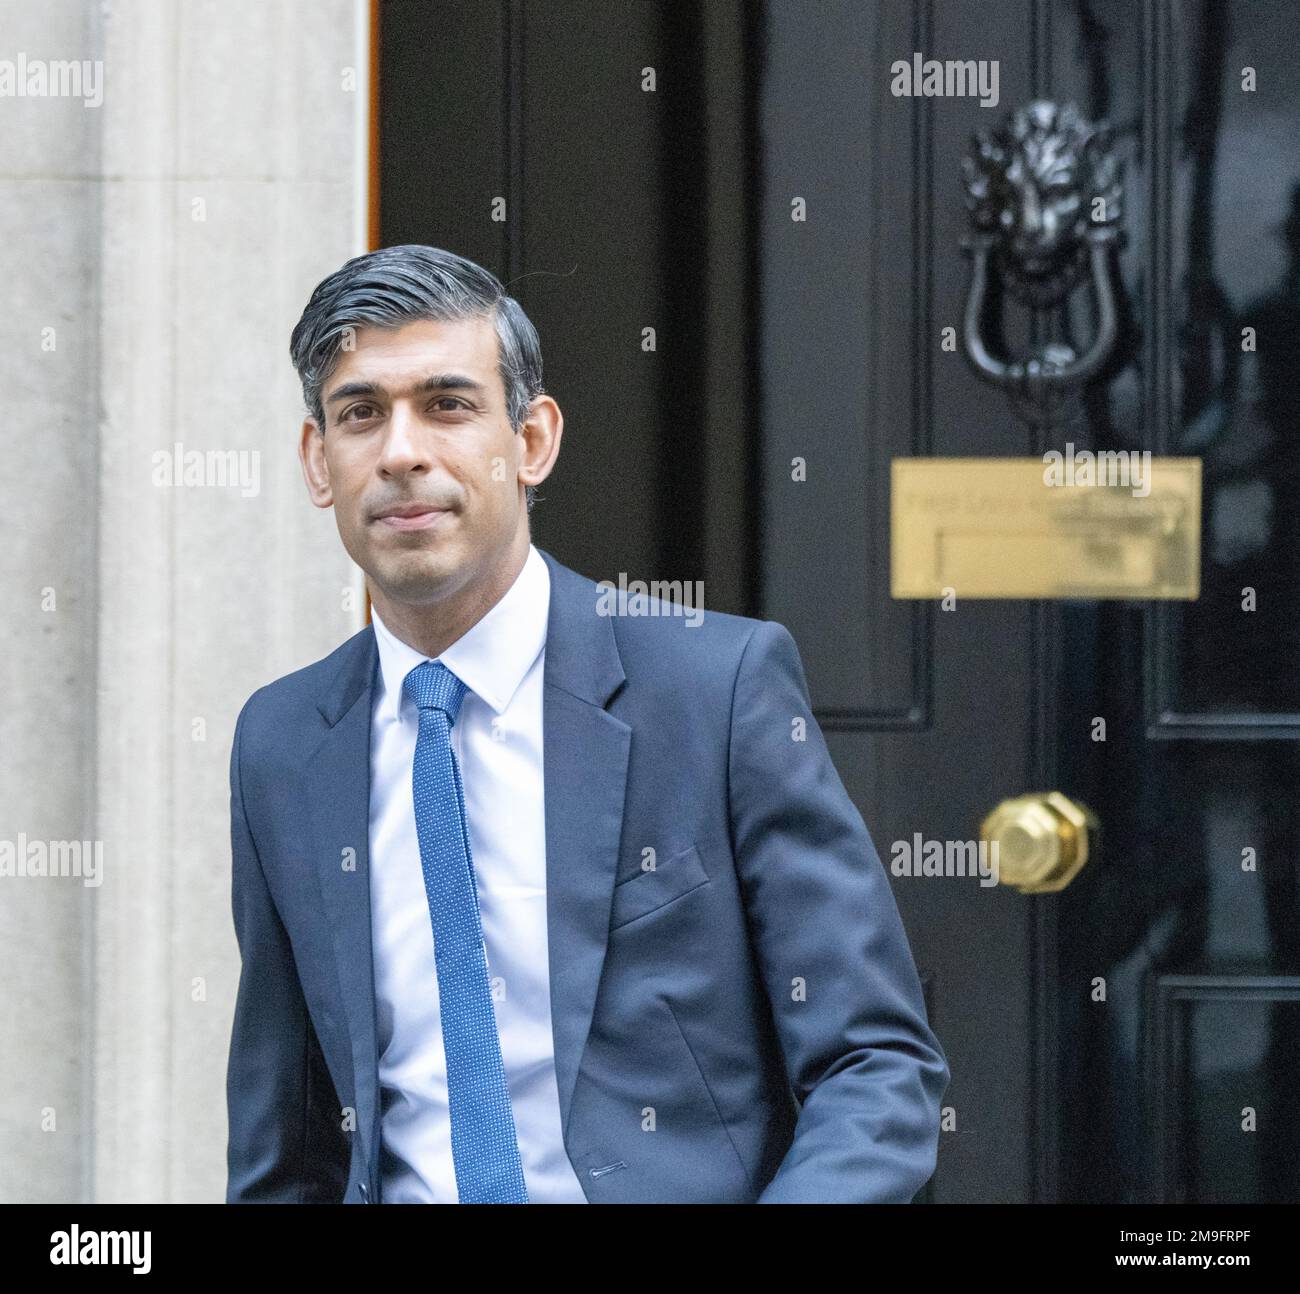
414	516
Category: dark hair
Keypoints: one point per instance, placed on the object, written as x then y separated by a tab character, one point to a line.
396	285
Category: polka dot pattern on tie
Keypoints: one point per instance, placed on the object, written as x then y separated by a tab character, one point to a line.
484	1144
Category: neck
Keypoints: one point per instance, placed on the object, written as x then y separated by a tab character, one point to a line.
432	627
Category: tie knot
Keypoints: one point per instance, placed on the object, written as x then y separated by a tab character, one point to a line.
432	686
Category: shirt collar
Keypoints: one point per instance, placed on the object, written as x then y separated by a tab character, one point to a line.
491	657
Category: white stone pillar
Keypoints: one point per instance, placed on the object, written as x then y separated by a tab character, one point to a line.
221	178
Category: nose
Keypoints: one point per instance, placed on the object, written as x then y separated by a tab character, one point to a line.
404	449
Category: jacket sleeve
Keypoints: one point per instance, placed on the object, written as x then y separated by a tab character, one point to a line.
286	1140
846	999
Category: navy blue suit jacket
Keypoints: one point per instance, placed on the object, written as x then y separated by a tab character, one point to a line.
742	1023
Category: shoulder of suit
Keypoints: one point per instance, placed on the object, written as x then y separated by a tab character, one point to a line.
675	626
677	615
689	648
289	695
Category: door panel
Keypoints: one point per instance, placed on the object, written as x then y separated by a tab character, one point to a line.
1182	1087
928	714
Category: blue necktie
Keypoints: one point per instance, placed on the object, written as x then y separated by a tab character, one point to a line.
483	1143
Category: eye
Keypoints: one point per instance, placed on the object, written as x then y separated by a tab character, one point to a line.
355	412
454	399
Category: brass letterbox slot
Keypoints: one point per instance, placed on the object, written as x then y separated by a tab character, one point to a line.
1044	527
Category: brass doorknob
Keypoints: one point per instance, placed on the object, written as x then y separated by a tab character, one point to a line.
1042	840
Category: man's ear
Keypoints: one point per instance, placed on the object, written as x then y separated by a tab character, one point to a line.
315	470
540	435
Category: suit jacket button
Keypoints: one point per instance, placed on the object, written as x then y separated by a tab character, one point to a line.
365	1192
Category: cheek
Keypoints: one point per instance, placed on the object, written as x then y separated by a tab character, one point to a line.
491	479
347	475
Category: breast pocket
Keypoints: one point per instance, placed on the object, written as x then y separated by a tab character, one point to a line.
648	891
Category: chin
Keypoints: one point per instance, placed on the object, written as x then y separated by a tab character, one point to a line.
420	578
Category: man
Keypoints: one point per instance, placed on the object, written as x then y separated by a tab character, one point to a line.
538	903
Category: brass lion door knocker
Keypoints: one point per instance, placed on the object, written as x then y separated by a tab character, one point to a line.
1043	194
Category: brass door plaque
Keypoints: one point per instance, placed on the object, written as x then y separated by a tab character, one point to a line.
1040	528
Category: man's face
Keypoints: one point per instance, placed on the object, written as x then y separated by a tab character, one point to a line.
418	457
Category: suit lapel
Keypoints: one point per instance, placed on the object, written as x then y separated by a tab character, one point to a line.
337	782
585	757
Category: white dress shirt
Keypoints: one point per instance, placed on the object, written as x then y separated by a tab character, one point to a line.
497	738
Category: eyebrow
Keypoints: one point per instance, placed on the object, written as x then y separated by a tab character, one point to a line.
434	382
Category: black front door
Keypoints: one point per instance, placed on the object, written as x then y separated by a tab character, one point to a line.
1134	1035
